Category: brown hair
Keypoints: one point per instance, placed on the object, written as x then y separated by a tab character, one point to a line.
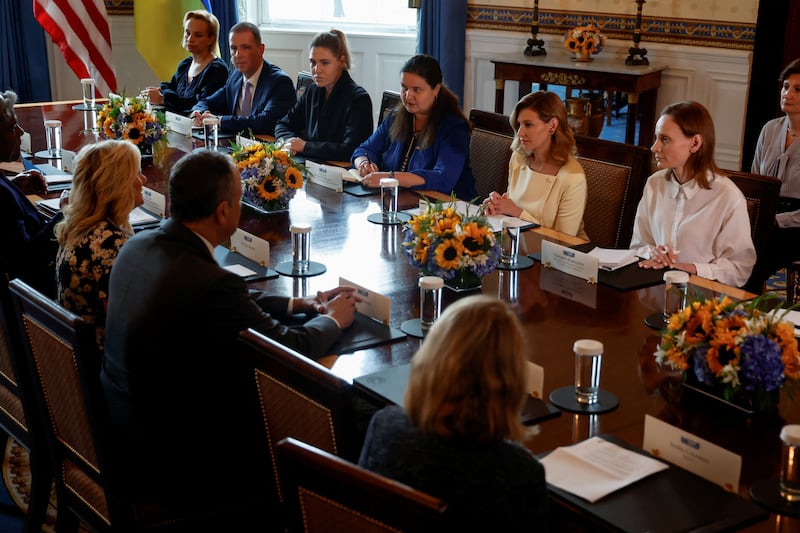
249	27
791	68
547	105
102	189
336	42
694	119
211	20
446	103
468	378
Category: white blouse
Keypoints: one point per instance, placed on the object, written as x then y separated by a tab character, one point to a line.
709	227
771	159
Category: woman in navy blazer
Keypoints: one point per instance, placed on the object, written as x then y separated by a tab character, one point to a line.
424	143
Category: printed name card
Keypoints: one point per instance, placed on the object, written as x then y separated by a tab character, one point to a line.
326	175
534	379
254	248
244	142
570	261
569	287
374	305
179	124
692	453
154	201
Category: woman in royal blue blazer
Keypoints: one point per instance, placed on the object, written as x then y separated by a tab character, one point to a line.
424	143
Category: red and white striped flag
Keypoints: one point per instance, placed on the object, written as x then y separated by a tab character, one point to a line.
80	29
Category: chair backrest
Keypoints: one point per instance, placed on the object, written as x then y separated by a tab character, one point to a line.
389	101
615	178
326	493
490	151
299	398
761	193
304	80
64	363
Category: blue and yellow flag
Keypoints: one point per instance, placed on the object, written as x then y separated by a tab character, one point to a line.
158	27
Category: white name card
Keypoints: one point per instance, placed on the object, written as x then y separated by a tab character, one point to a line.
179	123
534	378
692	453
254	248
154	201
570	261
244	142
326	175
569	287
373	304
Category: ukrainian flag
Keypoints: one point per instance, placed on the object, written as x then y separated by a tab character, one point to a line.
158	27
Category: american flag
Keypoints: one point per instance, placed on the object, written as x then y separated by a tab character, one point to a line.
80	29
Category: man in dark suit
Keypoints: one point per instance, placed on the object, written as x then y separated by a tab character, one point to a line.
27	244
256	96
176	395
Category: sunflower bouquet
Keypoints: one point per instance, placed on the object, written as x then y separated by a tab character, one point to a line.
459	247
736	350
269	175
584	39
129	118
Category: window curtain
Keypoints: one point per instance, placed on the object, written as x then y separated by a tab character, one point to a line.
24	54
442	34
227	14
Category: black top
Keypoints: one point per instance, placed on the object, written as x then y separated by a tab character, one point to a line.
180	94
496	487
332	128
27	244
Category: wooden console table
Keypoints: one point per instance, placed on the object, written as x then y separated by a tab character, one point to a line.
605	73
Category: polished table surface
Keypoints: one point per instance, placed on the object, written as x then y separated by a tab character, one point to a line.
555	309
603	73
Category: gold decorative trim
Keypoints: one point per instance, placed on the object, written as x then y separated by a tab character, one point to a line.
561	78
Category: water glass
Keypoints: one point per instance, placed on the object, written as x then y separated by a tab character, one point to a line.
301	246
52	131
87	88
211	132
509	242
430	300
790	463
389	199
677	284
588	360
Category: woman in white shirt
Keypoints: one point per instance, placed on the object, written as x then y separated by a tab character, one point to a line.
690	216
546	184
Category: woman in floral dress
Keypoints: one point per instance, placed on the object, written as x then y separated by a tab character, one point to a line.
106	187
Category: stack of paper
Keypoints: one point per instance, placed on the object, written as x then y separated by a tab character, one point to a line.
610	259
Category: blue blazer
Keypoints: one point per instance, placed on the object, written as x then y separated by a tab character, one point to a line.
274	96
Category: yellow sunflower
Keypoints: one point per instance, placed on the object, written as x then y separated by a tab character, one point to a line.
448	254
269	189
134	133
281	157
473	237
294	179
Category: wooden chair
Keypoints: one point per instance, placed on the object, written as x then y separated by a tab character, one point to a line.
615	178
389	101
762	194
18	415
490	151
304	80
300	398
326	494
62	356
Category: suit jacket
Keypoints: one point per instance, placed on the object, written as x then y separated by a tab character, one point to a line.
180	94
332	127
170	368
274	95
28	246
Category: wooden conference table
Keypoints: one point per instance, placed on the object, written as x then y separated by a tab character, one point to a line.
555	309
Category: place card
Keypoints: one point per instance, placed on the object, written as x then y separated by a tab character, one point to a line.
240	270
692	453
254	248
244	142
534	379
25	142
569	287
154	201
373	304
179	123
326	175
570	261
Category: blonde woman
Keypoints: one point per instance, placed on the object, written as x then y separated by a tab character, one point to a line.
106	186
458	437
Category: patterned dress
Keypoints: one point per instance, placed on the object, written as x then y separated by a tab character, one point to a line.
83	271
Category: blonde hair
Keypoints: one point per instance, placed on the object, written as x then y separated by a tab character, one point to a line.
546	105
468	378
213	26
102	189
336	42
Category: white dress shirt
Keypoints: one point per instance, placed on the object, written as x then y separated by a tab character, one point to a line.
771	159
709	227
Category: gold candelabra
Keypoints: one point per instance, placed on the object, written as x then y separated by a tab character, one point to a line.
636	55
